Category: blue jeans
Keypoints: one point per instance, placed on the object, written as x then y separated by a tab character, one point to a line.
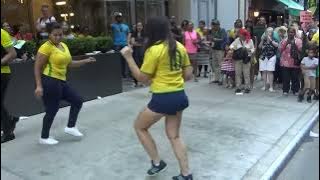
124	66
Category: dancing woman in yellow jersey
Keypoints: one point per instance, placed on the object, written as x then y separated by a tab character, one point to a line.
166	65
52	62
8	54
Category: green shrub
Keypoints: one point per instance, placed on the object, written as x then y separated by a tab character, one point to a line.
79	46
30	47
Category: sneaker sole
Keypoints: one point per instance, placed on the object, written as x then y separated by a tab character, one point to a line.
43	143
164	169
72	134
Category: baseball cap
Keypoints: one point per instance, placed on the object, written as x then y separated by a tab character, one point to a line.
117	14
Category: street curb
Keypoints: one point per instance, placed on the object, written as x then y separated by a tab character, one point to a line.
278	165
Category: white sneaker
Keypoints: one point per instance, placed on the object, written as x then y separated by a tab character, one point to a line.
263	88
314	135
48	141
73	131
271	90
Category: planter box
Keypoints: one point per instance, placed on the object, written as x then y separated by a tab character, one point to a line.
102	78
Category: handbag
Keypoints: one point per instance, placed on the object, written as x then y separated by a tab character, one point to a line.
295	54
240	54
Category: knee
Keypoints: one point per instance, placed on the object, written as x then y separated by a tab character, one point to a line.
173	137
138	128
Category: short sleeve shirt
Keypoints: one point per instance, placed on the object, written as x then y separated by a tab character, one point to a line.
6	42
167	75
58	60
120	33
308	62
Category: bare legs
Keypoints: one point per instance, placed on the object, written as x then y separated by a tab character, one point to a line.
145	120
267	77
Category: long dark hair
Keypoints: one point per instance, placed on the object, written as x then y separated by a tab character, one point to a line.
158	30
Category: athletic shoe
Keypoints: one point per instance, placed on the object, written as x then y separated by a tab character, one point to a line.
285	94
314	135
155	170
73	131
263	88
48	141
309	99
271	90
300	98
247	91
316	97
238	92
220	83
7	137
182	177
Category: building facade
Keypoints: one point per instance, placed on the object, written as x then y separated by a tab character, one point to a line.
98	14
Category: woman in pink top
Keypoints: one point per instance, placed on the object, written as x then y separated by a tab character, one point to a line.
191	39
290	49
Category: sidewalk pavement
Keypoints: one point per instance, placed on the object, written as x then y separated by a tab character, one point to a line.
228	137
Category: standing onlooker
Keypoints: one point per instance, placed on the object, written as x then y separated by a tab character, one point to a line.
254	69
268	58
227	70
245	44
309	67
137	41
299	32
8	54
234	33
67	34
290	49
121	38
219	38
191	39
21	33
52	63
184	26
202	31
175	30
43	21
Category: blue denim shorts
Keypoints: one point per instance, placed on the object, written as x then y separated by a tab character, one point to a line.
169	103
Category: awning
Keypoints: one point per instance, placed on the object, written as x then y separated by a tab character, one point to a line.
292	5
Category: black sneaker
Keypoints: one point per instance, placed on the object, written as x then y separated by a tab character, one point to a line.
300	98
215	82
15	120
7	137
247	91
181	177
155	170
309	99
220	83
316	97
238	91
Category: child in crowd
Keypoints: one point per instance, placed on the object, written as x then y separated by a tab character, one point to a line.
309	66
228	70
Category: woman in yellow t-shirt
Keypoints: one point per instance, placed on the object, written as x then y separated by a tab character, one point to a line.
52	62
166	65
8	54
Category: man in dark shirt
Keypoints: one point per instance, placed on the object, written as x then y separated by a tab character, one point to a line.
219	38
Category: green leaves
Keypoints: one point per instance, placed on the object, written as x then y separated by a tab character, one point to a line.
78	46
